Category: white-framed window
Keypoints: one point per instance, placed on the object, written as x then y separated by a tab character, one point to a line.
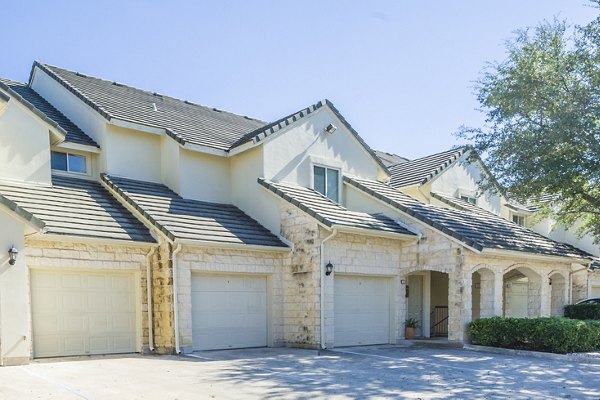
469	199
518	219
327	182
68	162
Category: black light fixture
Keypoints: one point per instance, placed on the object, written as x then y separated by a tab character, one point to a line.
12	255
328	268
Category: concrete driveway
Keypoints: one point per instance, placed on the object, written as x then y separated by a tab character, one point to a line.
359	372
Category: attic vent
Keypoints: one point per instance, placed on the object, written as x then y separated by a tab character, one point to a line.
80	74
217	110
117	84
189	102
154	107
157	94
247	117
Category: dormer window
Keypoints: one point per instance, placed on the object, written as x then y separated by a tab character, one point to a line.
327	182
518	219
68	162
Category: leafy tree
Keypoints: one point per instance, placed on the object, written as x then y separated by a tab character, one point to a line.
542	131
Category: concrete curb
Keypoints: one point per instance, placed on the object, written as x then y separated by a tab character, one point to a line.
583	358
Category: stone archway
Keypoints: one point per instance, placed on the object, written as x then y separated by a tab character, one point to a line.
522	293
483	293
558	294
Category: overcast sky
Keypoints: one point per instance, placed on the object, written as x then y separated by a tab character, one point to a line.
401	72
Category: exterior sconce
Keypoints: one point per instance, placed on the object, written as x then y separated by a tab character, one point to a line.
402	281
12	255
550	281
406	294
330	128
328	268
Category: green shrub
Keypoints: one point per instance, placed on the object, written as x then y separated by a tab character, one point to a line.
554	335
583	311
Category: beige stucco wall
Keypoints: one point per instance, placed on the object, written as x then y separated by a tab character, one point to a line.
204	177
289	155
15	331
461	179
70	105
122	148
205	260
24	145
169	163
247	194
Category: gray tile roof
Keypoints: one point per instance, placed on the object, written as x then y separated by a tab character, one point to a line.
477	228
422	170
329	212
390	159
184	121
76	207
34	101
193	220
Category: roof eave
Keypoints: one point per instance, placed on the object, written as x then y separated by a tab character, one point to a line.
236	246
54	237
22	214
536	256
375	233
54	127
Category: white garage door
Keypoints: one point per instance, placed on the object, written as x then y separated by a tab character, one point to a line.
361	310
229	311
78	313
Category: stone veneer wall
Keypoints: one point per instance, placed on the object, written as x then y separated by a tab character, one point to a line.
301	278
538	272
435	252
83	255
580	284
162	300
230	261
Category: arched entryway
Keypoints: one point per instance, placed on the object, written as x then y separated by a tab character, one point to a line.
426	295
521	293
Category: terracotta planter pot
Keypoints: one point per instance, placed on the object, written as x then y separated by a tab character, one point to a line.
409	333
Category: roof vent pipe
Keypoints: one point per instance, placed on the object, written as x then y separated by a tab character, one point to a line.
154	107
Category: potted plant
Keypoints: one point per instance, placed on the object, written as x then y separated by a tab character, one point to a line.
410	325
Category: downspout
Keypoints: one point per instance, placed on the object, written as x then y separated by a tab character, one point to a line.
149	298
322	302
175	296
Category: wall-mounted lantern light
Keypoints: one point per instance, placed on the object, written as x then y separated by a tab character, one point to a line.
12	255
328	268
550	281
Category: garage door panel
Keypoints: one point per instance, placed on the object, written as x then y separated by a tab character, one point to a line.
77	313
361	310
229	311
71	281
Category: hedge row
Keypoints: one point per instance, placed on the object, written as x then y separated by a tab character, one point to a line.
553	335
583	311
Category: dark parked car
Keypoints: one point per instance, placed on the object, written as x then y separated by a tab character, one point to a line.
593	300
